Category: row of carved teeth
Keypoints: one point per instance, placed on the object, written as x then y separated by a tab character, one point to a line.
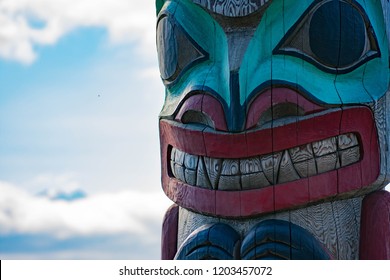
262	171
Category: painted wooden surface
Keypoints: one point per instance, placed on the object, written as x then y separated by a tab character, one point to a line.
275	116
375	228
232	8
319	220
211	241
340	167
169	233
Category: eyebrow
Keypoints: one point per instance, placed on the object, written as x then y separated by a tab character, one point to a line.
233	8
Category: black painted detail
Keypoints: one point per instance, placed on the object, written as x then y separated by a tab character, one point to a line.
177	51
268	240
167	48
210	242
281	240
197	118
236	117
336	36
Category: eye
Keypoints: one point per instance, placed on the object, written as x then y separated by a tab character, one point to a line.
335	36
177	51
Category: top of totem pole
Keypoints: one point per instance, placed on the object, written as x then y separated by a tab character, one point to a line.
233	8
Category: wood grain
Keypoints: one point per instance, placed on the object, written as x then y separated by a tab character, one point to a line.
348	227
375	227
334	224
287	171
169	233
232	8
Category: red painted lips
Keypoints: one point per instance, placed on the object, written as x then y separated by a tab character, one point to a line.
244	174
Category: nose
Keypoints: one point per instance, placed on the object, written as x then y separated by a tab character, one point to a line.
236	114
238	42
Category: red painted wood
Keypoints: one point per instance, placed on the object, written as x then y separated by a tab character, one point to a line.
371	166
353	118
225	145
194	103
360	120
182	137
227	203
165	175
257	108
206	104
194	198
277	96
323	186
213	108
254	143
291	194
257	201
375	227
259	142
350	178
287	137
319	128
169	233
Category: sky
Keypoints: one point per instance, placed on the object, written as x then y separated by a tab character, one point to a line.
80	95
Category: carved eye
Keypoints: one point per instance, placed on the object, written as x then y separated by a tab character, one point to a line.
177	51
336	36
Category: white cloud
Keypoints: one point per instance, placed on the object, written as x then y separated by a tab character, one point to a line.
125	20
66	182
131	212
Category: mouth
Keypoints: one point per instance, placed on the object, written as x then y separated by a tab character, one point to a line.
265	170
294	162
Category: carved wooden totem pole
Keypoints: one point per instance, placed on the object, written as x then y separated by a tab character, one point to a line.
274	131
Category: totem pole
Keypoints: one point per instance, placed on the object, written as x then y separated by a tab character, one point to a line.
274	131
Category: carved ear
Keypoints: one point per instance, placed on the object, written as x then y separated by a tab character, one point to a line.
159	4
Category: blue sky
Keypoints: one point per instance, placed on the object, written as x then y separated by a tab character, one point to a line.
80	95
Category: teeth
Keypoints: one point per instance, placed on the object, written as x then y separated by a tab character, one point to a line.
346	141
306	168
327	163
230	167
349	156
251	165
190	161
252	174
254	181
229	183
287	171
191	166
179	157
229	179
301	153
202	179
270	165
178	171
325	147
258	172
213	166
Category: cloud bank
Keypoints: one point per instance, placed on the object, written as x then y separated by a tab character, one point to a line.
127	212
26	24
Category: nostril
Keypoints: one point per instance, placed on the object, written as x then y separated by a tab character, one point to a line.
280	111
197	117
279	103
202	109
